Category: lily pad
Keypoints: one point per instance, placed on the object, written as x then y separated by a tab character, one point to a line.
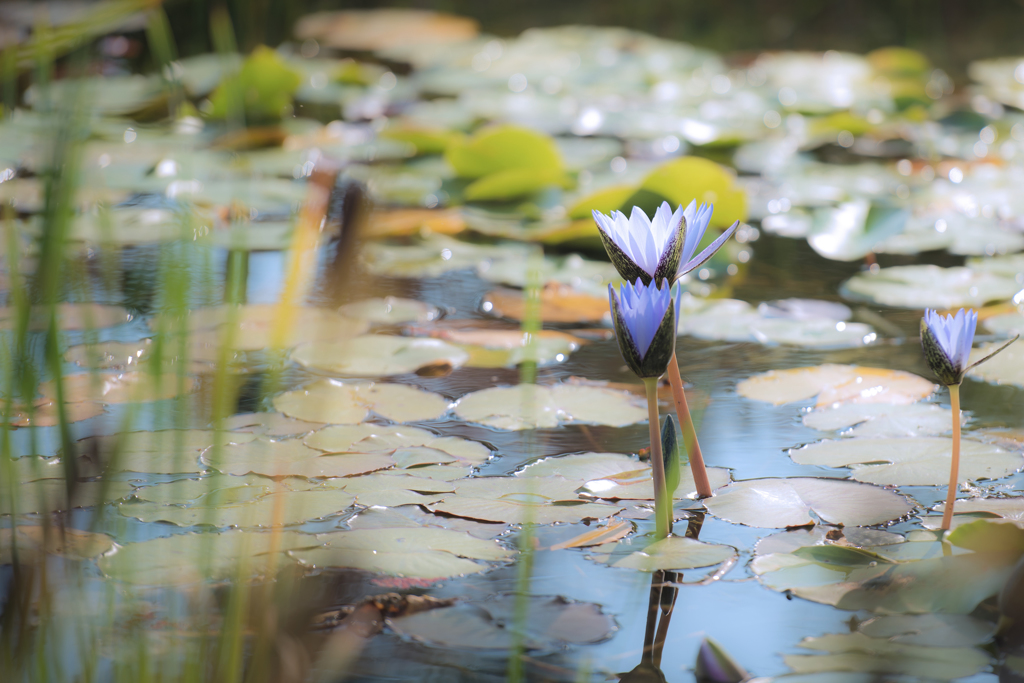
123	387
292	459
169	451
1006	368
376	355
883	419
495	348
193	558
918	461
51	495
558	304
674	552
419	552
486	625
929	286
437	255
44	413
69	317
335	402
383	28
392	489
32	541
525	500
532	406
390	310
778	503
853	229
835	385
371	438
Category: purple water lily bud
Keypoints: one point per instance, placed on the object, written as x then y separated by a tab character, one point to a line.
641	248
947	340
714	665
645	326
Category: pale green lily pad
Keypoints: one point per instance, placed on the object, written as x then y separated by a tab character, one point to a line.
674	552
69	317
1007	265
857	652
335	402
51	495
496	348
1010	508
371	438
33	541
273	510
292	459
835	385
391	310
929	286
922	575
584	275
485	625
437	255
853	229
123	387
376	355
421	552
193	558
733	320
169	451
30	468
209	491
134	226
1006	368
270	424
921	461
525	500
883	420
1009	324
935	630
532	406
388	490
777	503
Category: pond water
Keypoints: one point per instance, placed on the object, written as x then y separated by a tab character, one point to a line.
299	331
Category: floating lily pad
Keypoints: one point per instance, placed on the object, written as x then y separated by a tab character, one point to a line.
526	500
558	304
211	491
437	255
733	320
609	532
674	552
270	424
777	503
531	406
192	558
583	275
124	387
392	489
929	286
1006	323
1006	368
853	229
935	630
69	317
836	384
292	459
883	419
1011	508
375	355
32	541
495	348
390	310
45	414
420	552
486	625
370	438
51	495
910	461
169	451
383	28
335	402
272	510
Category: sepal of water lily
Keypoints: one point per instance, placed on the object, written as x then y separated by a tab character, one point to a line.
645	326
643	248
947	340
696	221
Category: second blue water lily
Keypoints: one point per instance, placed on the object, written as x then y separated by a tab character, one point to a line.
645	326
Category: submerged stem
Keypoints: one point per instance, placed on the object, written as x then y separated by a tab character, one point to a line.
954	468
700	473
662	499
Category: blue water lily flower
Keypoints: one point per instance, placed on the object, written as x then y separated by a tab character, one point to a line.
641	248
658	248
946	341
645	325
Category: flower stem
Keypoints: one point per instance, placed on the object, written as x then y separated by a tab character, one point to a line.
697	469
954	468
662	497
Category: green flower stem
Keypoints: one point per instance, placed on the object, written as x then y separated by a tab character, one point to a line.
662	499
954	468
700	473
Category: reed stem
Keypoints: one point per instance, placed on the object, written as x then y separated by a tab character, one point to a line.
662	499
697	469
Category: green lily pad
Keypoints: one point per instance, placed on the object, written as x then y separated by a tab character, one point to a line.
526	500
674	552
928	286
390	310
777	503
69	317
852	230
921	461
1005	368
531	406
34	541
934	630
123	387
584	275
270	424
193	558
1007	323
292	459
370	438
420	552
51	495
169	451
436	255
834	385
392	489
376	355
506	161
261	90
335	402
209	491
883	420
486	625
686	179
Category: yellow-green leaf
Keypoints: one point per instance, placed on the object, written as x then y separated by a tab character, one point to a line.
513	182
692	178
262	88
500	148
605	201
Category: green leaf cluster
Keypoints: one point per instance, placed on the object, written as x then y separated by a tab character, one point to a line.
506	162
261	89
